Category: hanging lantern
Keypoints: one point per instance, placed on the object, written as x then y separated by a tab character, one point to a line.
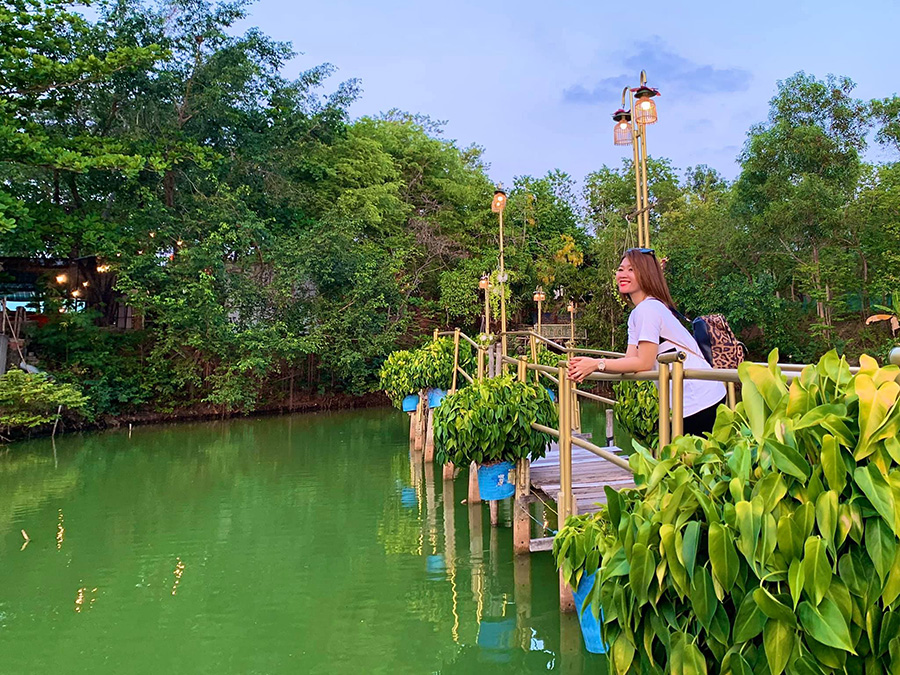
499	202
484	282
644	105
539	295
622	134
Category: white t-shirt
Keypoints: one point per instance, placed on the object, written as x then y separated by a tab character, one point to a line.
652	321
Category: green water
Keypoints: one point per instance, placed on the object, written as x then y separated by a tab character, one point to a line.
304	544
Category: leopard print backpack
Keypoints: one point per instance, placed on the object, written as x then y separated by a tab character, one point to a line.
717	341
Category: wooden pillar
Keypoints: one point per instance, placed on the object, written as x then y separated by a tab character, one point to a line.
474	497
610	428
420	422
449	471
521	506
565	503
494	506
429	438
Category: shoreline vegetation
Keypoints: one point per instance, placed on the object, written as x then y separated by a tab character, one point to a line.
200	231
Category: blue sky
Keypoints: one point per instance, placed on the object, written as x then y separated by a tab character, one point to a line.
534	83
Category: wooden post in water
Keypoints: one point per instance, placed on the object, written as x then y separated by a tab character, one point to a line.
521	505
610	428
429	438
474	496
420	422
565	503
494	506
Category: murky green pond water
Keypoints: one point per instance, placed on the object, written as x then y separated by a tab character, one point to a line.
304	544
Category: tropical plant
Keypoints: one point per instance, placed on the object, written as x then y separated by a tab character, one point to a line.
891	313
577	546
490	421
430	367
395	376
772	545
546	357
637	411
28	400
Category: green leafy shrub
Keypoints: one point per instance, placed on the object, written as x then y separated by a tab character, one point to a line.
577	546
546	357
29	400
637	411
771	546
430	367
490	421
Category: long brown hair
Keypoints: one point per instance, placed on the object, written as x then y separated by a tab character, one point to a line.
649	275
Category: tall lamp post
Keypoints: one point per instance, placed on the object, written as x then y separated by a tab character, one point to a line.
631	129
485	284
497	206
539	297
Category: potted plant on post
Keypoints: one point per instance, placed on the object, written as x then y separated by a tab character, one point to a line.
489	423
576	550
397	380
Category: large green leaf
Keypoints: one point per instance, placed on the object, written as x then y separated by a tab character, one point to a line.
778	640
881	545
622	654
827	516
723	556
774	608
826	624
749	621
796	580
816	570
694	662
832	464
643	567
689	547
787	459
703	597
877	490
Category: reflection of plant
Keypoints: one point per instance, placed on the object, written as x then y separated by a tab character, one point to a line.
772	545
637	411
29	400
892	313
490	421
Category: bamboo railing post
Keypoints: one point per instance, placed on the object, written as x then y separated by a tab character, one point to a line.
455	359
521	505
429	437
533	345
610	428
480	358
732	395
677	399
436	331
664	428
564	502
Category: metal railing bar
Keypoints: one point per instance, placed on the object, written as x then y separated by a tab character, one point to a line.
610	457
465	375
547	430
594	397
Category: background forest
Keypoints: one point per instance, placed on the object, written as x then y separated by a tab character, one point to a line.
271	244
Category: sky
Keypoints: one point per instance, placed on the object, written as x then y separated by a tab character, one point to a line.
535	83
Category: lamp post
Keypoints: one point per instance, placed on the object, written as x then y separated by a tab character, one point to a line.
539	297
631	129
485	284
497	206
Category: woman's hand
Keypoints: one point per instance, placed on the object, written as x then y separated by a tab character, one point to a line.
582	366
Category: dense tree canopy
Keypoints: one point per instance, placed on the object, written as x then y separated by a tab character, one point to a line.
263	237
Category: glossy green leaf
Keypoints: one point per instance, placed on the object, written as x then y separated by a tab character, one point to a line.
774	608
689	547
827	516
643	567
703	597
723	556
881	545
816	570
877	490
749	621
778	640
833	464
796	580
622	654
787	459
825	624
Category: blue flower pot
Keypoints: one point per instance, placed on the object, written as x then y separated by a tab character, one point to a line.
590	625
552	394
408	498
493	481
410	403
435	396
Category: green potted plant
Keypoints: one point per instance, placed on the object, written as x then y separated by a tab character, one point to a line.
489	423
430	367
637	411
576	550
773	545
398	380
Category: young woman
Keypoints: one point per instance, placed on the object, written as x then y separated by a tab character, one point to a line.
654	329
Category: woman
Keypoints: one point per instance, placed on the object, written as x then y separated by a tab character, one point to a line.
654	329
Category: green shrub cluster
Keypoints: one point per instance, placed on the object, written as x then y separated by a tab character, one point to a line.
429	367
28	400
771	546
490	421
637	411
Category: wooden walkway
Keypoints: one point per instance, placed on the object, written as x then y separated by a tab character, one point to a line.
590	474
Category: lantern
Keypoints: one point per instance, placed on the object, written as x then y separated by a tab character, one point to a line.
499	202
623	132
644	105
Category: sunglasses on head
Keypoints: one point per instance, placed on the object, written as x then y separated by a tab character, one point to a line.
642	250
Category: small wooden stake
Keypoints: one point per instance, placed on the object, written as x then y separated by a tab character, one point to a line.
610	428
474	496
521	506
495	512
429	438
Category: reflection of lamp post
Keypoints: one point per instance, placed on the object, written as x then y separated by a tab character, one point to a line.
485	284
571	309
631	129
497	206
539	298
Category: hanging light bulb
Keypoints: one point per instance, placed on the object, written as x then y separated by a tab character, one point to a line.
623	132
644	105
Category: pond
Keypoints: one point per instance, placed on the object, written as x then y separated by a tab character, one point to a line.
301	544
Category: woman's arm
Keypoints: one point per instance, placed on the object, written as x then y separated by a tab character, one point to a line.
636	360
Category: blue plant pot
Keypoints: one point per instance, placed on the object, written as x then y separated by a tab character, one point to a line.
408	498
410	403
496	637
435	396
552	394
590	625
493	481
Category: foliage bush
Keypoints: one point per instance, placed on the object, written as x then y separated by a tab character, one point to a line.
637	411
769	547
490	421
546	357
430	367
28	400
